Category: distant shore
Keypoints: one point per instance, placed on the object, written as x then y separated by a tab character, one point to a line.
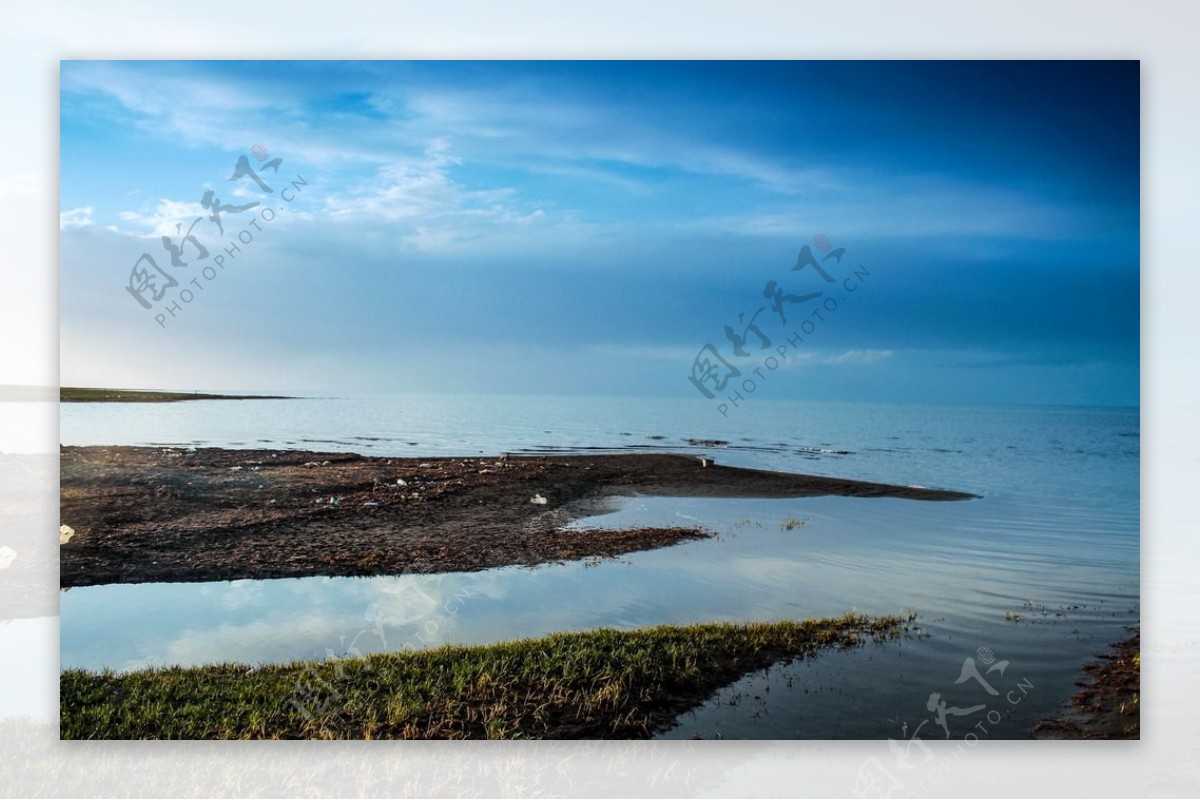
154	514
71	394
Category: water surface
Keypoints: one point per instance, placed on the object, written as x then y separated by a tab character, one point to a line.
1042	569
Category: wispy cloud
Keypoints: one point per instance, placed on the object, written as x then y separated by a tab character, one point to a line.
431	211
184	103
516	122
165	218
857	357
75	218
819	358
402	159
414	188
597	137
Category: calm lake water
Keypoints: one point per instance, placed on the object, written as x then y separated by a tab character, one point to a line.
1041	572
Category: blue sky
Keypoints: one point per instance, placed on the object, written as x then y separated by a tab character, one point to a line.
587	227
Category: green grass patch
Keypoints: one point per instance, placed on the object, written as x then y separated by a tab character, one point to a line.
596	684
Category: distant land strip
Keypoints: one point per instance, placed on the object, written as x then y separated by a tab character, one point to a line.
71	394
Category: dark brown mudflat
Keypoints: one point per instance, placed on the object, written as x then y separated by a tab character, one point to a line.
1108	706
145	514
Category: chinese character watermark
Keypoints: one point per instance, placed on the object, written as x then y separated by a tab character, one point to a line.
715	375
952	722
150	283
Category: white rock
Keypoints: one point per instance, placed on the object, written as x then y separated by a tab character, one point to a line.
538	500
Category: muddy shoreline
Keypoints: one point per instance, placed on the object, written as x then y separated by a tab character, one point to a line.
153	514
1108	704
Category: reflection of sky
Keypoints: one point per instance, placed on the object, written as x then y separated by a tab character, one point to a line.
945	560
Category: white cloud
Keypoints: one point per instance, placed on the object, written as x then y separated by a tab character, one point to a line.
174	102
516	128
430	210
857	357
165	218
816	358
182	105
75	218
407	188
517	125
